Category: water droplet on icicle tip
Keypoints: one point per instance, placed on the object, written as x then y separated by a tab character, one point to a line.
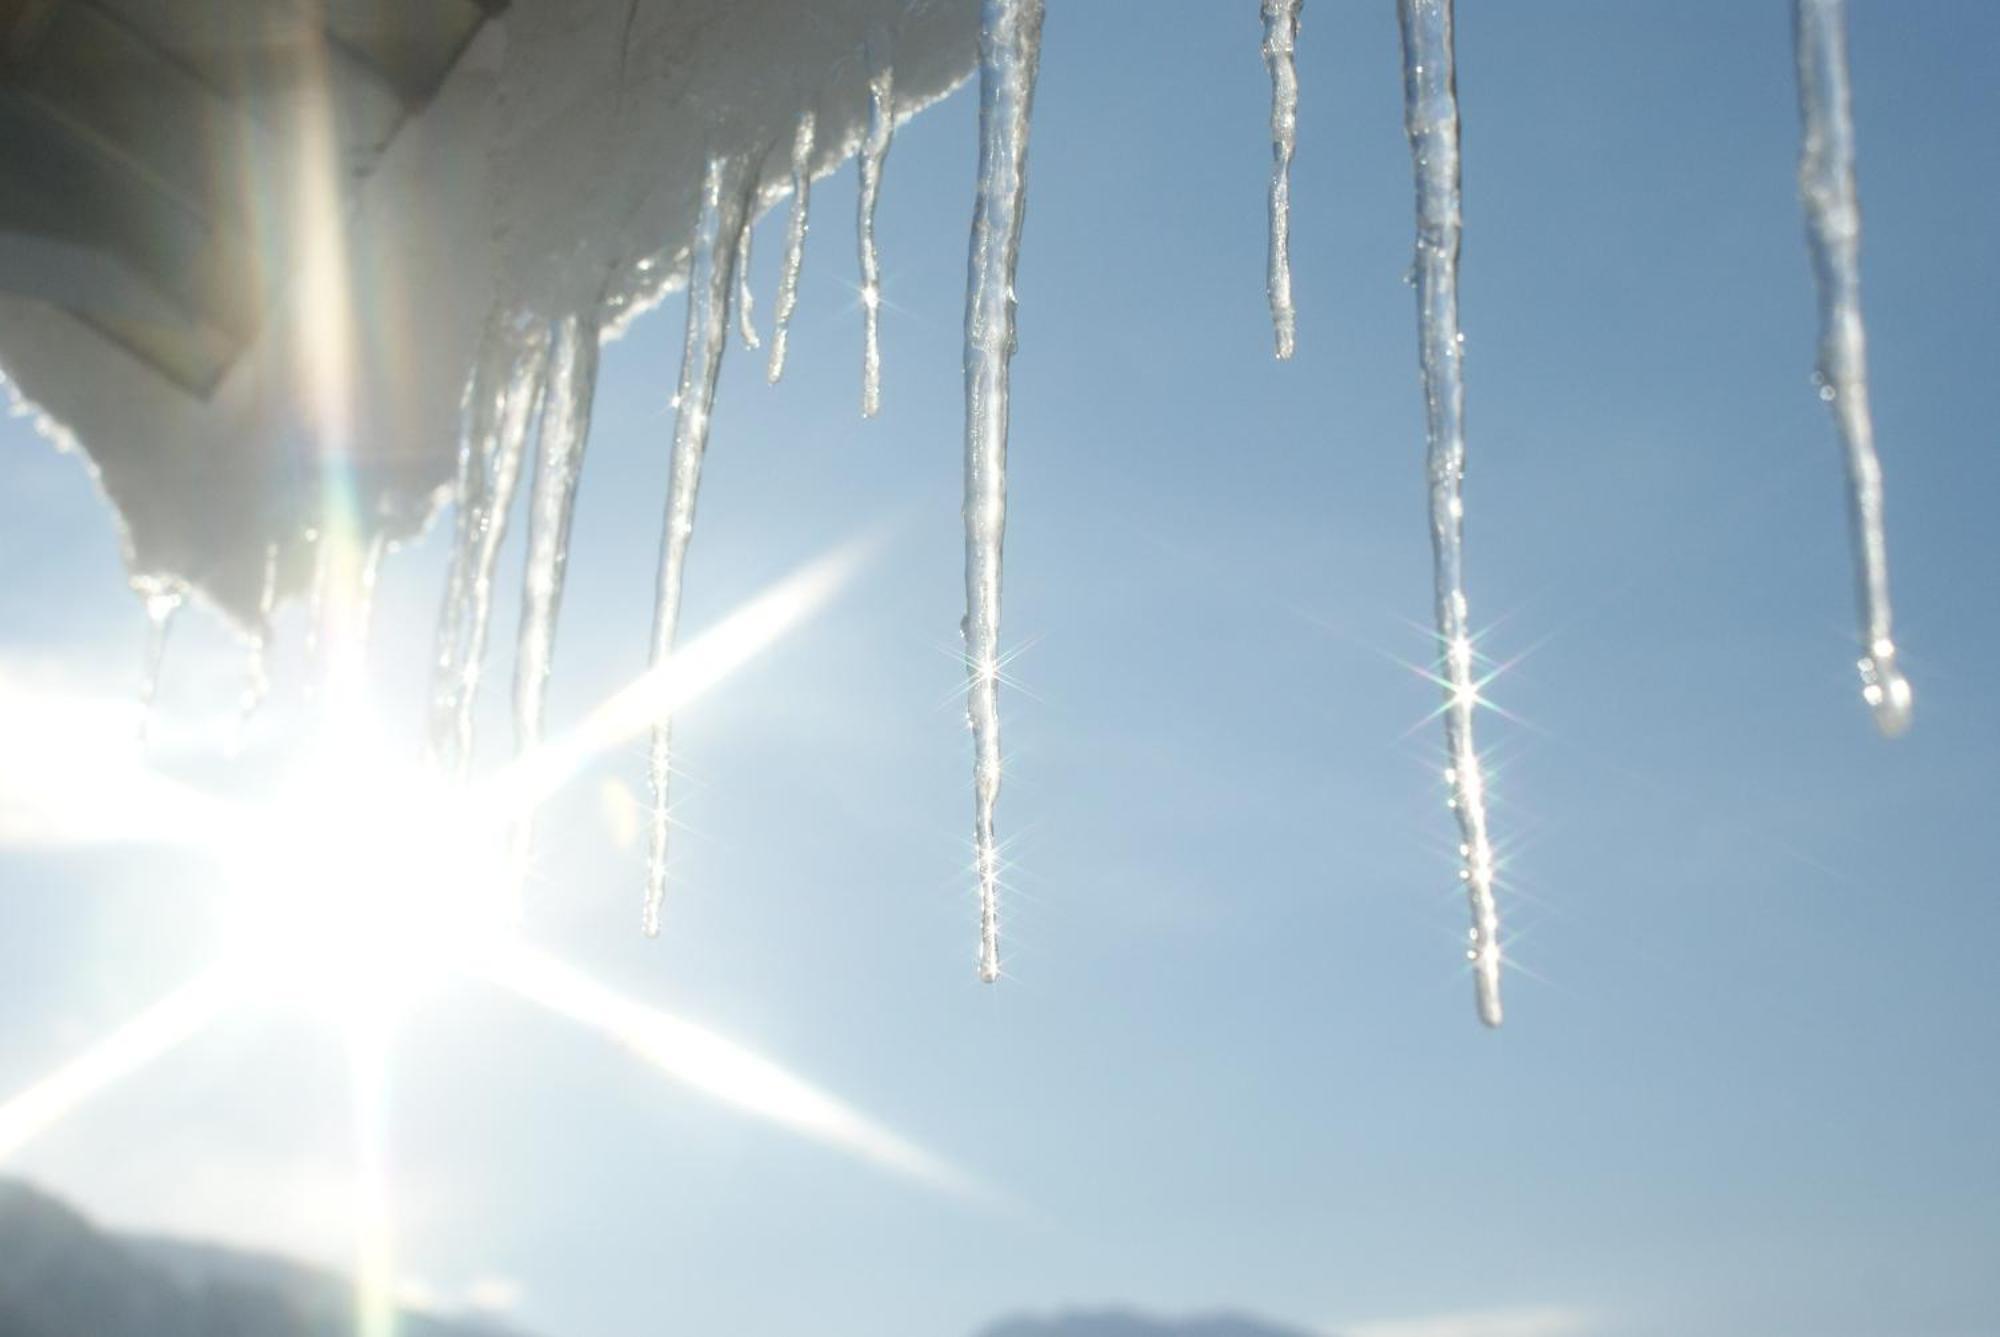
1431	120
874	153
1281	34
1833	229
1886	691
1010	33
795	242
724	203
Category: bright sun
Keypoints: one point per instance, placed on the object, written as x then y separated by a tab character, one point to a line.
367	881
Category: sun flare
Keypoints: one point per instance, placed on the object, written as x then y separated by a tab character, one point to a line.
366	881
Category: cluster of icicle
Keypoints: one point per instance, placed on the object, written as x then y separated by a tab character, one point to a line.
1826	180
531	373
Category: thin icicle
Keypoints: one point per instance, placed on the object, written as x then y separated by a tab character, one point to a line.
257	682
322	550
874	152
565	430
1010	34
745	322
500	406
1833	218
795	243
709	278
366	581
1431	119
163	598
1281	35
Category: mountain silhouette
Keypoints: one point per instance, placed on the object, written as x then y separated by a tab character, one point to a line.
60	1276
1126	1323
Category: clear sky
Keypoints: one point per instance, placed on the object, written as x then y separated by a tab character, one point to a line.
1747	1083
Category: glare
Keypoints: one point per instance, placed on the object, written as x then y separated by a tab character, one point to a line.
366	883
164	1026
719	1068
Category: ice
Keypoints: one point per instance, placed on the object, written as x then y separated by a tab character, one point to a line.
501	402
1430	112
745	322
163	597
572	385
1010	33
1281	35
795	242
257	680
1833	223
709	280
874	152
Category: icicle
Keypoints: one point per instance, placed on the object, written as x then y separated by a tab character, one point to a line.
565	429
745	324
366	580
322	545
1281	35
1833	218
709	277
1010	34
500	406
257	682
1431	119
795	243
874	152
163	598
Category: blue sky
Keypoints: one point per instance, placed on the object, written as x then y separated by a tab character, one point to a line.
1746	1085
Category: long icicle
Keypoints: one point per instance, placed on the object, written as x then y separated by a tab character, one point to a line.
1430	113
500	407
558	466
1833	222
1281	35
710	269
795	243
874	152
1010	34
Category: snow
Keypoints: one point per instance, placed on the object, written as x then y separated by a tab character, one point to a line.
556	171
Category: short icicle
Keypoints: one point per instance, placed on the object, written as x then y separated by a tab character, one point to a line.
746	324
710	267
874	152
501	403
795	243
1281	35
163	598
1010	33
1833	223
257	681
1431	119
